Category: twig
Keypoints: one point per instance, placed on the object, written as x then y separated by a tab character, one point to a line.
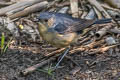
15	10
55	52
28	10
95	43
113	3
110	8
75	70
35	67
77	49
83	40
101	50
99	15
74	7
115	30
18	5
68	57
6	3
102	31
99	7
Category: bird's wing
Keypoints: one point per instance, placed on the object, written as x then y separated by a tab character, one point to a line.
81	25
60	28
76	26
71	26
66	25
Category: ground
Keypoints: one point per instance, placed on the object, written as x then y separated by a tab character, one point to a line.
104	66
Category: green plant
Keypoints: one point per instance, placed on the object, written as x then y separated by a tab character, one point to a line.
49	71
3	47
2	42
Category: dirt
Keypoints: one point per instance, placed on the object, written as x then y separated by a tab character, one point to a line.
92	67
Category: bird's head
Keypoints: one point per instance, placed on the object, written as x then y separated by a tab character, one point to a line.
47	17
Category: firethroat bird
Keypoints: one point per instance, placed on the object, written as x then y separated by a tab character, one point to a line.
63	30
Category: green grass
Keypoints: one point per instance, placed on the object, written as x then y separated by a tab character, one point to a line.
49	71
6	47
2	42
2	45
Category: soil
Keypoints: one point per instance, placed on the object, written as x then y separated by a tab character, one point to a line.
92	67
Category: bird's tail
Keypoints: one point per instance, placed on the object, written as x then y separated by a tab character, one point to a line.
102	21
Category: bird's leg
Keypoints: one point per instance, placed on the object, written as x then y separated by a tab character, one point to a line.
61	58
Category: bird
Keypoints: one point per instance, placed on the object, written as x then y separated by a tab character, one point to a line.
62	30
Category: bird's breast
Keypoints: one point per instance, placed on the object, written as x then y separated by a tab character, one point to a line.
60	40
56	39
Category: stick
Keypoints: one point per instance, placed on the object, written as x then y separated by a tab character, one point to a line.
99	7
75	70
28	10
5	3
35	67
18	5
74	7
54	52
94	44
102	31
101	50
15	10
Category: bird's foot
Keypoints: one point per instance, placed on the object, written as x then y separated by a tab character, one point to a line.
61	58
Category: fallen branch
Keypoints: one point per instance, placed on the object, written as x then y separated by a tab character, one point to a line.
99	15
102	31
28	10
99	7
94	44
70	58
35	67
113	3
5	3
54	52
101	50
77	49
74	7
75	70
110	8
115	30
15	10
18	5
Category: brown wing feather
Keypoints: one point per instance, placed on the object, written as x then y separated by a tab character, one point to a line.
80	25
